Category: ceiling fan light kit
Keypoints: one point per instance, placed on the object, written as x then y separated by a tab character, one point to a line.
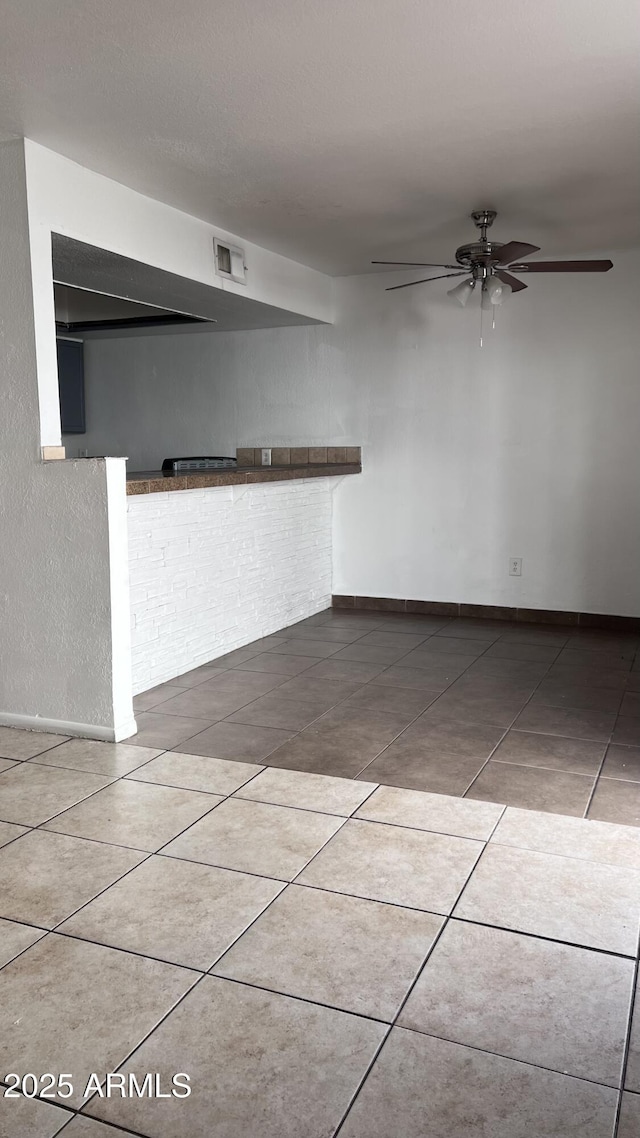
484	261
496	290
461	292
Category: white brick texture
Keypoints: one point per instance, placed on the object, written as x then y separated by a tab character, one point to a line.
214	569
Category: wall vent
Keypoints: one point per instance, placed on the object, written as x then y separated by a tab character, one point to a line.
230	261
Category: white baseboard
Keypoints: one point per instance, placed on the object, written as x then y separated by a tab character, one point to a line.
66	727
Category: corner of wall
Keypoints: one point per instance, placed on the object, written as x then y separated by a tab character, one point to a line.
115	469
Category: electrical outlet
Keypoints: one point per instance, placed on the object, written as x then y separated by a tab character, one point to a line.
515	566
266	456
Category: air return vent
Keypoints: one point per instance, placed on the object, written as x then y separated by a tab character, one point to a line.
230	261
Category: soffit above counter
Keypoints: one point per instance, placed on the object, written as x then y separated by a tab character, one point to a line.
89	268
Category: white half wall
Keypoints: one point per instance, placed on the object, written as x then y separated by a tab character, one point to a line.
213	569
526	447
62	627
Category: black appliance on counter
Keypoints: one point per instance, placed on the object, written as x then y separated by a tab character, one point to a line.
197	463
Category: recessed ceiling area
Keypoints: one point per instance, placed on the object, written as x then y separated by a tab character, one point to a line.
74	306
339	133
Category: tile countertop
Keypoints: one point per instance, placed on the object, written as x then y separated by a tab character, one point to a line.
155	482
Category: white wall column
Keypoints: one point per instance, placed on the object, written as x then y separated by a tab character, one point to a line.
64	626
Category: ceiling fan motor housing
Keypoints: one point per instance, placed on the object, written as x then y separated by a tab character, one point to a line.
479	254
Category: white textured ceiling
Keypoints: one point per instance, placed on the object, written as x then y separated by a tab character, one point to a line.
337	131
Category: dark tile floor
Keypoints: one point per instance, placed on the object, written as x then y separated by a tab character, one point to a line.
535	716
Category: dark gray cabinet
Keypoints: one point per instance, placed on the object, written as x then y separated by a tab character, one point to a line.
71	386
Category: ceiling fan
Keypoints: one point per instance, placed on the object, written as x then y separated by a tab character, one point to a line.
484	261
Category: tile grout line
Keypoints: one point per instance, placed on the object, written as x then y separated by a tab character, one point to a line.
149	854
355	817
56	929
540	936
429	707
339	702
208	973
111	1125
608	744
254	698
605	743
63	739
324	888
321	714
130	775
85	798
451	916
159	851
394	1023
566	856
634	1008
81	801
434	633
510	727
160	959
345	699
190	990
286	884
435	702
202	975
597	777
208	664
130	1054
512	1059
374	1060
188	739
116	845
293	997
545	767
44	932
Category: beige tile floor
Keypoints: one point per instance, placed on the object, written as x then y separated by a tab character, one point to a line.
320	955
324	954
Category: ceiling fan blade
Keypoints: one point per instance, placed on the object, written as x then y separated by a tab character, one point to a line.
514	249
563	267
513	282
418	264
442	276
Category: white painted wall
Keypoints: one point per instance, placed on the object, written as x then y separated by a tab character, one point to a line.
214	569
66	198
61	630
64	595
527	447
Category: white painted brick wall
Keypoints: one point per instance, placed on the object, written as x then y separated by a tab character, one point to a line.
213	569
